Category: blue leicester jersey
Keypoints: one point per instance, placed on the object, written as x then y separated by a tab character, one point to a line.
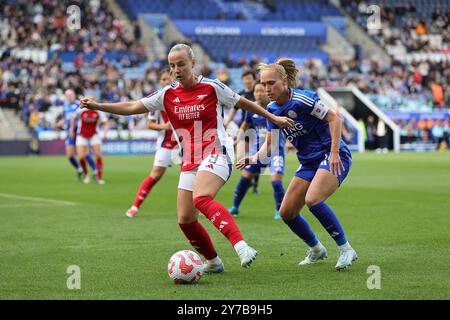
259	124
69	110
311	133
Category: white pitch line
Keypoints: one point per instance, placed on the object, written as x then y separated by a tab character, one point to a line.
15	196
28	205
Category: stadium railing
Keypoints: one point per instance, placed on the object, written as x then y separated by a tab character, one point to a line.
361	106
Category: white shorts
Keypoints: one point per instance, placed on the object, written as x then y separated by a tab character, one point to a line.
95	139
166	157
219	164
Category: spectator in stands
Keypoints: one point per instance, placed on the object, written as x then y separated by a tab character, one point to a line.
371	133
137	31
437	132
421	28
438	94
33	120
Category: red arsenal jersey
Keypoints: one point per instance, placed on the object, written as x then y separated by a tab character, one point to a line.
196	115
88	121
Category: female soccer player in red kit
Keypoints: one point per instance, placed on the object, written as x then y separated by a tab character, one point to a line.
194	108
88	136
166	146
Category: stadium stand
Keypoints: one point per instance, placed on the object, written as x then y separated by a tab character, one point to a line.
39	58
33	84
233	10
410	30
416	34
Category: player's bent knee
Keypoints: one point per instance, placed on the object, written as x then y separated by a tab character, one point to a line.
287	213
185	219
311	201
187	216
247	174
156	174
156	177
201	201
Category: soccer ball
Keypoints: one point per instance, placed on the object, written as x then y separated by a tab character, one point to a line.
184	267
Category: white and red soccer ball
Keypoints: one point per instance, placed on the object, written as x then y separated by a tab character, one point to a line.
185	267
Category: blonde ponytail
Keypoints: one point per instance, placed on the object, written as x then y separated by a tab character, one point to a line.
290	69
285	68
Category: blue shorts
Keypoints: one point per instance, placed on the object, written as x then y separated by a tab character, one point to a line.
276	166
307	171
70	141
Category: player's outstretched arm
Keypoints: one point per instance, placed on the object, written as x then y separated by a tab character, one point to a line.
122	108
281	122
262	155
153	125
240	140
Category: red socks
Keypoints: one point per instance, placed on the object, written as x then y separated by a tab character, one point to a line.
220	217
83	165
99	167
199	239
143	191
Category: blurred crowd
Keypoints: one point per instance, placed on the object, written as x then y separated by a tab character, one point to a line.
424	130
36	89
402	24
412	130
423	86
43	24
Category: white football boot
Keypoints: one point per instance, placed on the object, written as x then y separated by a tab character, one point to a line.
346	257
246	253
213	266
132	212
86	179
313	256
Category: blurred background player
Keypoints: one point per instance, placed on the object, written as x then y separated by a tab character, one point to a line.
248	80
166	146
87	135
324	159
71	105
259	124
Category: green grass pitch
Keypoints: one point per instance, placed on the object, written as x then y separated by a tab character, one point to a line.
395	209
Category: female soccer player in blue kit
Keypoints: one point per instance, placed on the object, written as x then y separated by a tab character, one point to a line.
276	163
324	159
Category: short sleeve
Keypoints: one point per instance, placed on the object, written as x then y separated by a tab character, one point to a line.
225	95
155	101
320	110
311	101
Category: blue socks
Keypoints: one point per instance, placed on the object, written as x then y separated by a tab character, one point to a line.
240	191
301	228
73	160
244	184
329	221
91	162
278	193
